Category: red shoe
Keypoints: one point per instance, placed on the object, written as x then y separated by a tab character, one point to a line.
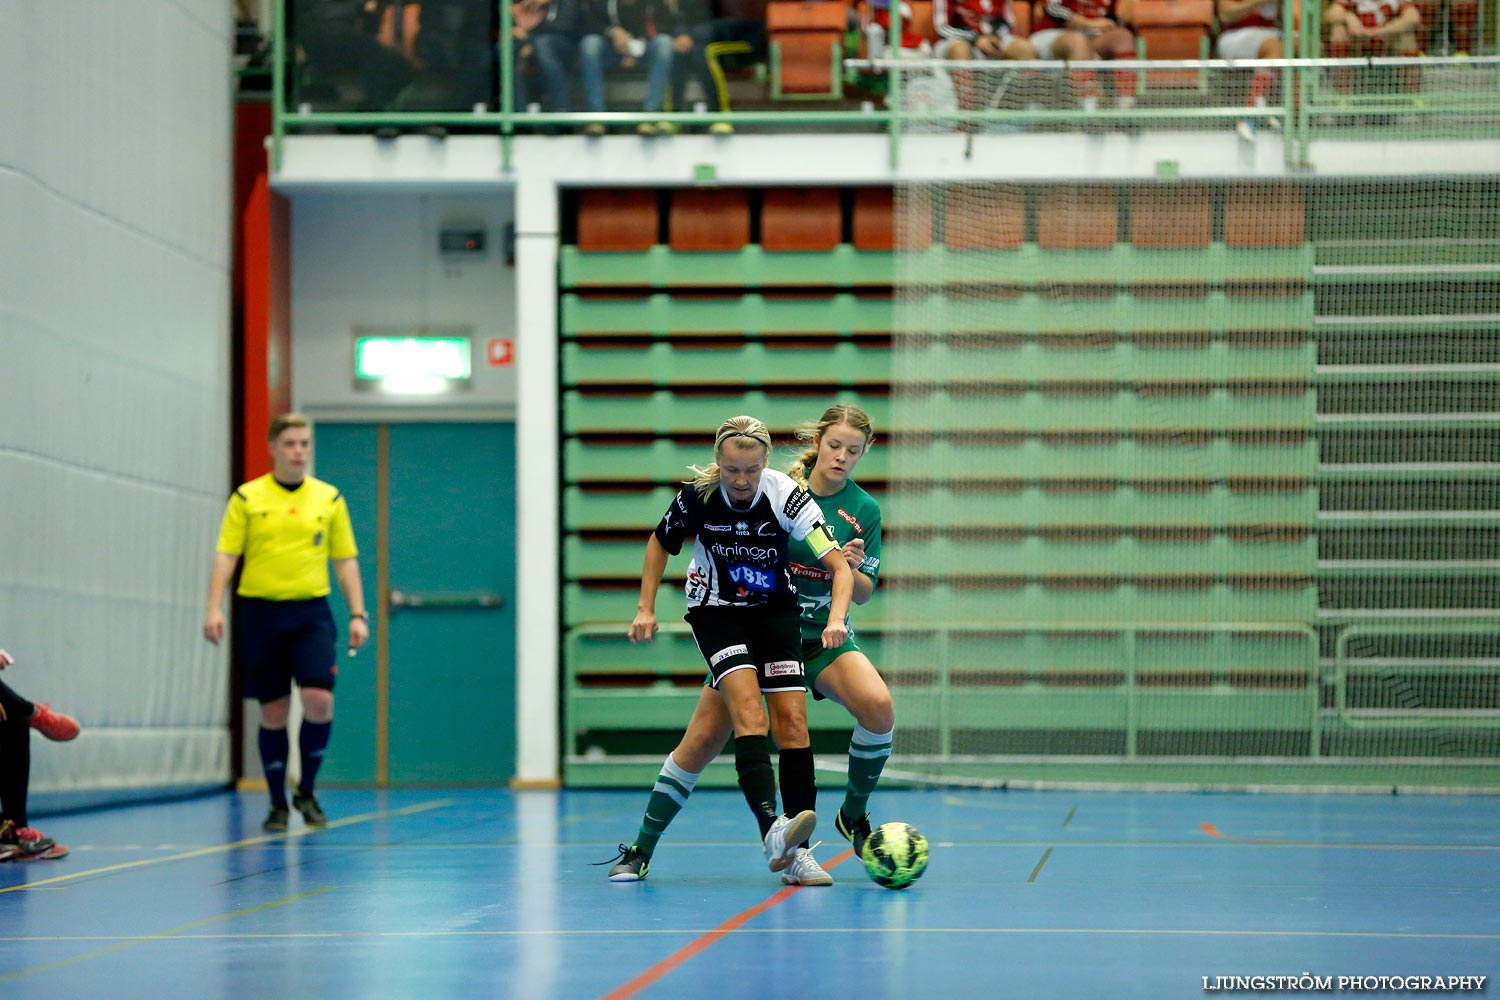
53	725
29	844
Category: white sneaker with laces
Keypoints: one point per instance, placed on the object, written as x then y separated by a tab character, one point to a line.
805	870
784	836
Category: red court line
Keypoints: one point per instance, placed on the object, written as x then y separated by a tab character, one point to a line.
687	951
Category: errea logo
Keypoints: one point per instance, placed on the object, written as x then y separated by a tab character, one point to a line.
741	528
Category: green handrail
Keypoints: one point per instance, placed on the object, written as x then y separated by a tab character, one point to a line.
1456	718
1130	630
1298	103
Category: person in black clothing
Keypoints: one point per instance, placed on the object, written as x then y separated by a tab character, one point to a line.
343	38
18	717
744	616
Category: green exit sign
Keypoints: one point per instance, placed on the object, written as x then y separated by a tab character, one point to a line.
397	361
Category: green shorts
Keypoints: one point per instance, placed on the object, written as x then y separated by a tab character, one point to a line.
815	658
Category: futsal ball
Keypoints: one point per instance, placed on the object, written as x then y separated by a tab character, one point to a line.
895	855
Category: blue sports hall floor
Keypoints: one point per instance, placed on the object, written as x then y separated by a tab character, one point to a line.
483	894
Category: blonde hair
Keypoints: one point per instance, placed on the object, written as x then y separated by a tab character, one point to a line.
706	479
811	433
285	421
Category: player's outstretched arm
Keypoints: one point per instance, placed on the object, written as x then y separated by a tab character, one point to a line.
643	628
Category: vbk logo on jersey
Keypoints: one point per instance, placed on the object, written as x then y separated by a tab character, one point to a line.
753	577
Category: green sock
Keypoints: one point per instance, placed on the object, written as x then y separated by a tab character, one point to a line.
668	796
868	753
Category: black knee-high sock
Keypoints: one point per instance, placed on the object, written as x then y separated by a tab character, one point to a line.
274	750
312	741
15	766
799	783
752	759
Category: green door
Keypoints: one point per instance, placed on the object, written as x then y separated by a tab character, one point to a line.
433	702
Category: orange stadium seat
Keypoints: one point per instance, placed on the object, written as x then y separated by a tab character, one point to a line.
617	220
985	218
1074	218
1171	217
709	219
1256	216
880	224
805	37
801	219
1173	29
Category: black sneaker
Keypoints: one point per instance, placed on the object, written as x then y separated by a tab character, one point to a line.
630	865
275	821
307	804
856	833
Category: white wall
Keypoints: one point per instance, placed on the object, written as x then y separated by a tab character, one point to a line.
372	260
114	375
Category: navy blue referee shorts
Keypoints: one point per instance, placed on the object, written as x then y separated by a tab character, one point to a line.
282	640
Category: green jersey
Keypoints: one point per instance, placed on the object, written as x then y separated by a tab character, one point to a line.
850	513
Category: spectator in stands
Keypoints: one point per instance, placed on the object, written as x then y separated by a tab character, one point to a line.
715	23
1080	30
1251	29
839	439
977	29
877	30
455	52
1373	28
365	39
18	717
619	34
744	616
545	35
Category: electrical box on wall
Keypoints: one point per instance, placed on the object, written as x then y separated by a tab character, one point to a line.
461	241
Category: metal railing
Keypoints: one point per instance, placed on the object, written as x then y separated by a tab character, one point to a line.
1410	714
1304	662
1466	100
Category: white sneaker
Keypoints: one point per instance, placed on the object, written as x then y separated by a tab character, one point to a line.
1245	129
784	836
805	870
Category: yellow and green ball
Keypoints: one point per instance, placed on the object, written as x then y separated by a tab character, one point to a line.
895	855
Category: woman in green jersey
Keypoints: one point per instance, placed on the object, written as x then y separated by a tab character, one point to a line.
844	674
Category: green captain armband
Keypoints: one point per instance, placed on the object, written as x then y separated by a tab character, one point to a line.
821	541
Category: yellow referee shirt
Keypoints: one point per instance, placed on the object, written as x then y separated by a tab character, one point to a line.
286	537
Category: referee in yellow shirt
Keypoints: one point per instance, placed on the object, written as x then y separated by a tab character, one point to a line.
288	526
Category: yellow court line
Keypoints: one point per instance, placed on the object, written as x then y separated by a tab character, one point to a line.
159	936
682	931
221	848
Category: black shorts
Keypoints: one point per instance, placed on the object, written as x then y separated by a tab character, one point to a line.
280	640
768	641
